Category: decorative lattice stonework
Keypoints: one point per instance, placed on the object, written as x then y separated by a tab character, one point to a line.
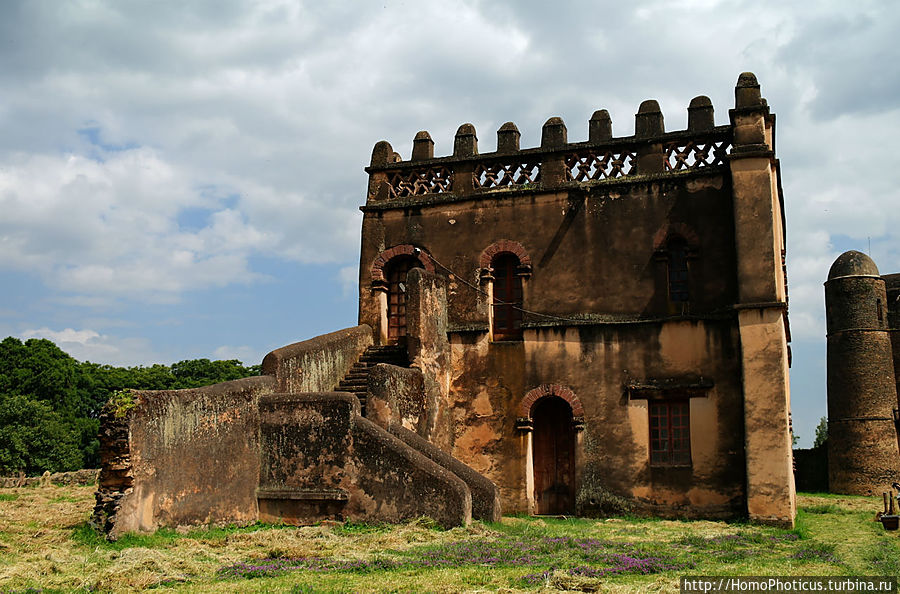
689	154
433	180
510	173
593	165
550	390
399	250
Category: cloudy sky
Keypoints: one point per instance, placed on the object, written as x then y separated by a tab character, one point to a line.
182	179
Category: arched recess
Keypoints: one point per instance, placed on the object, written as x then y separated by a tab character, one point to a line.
389	272
504	245
661	238
552	418
399	250
676	246
504	268
543	390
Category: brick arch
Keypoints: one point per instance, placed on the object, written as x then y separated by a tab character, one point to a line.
504	245
679	230
550	390
399	250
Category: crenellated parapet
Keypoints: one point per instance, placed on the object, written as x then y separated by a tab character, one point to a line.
558	163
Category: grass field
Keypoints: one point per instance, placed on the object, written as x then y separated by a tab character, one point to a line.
46	545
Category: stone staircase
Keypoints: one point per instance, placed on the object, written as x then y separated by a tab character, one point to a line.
357	379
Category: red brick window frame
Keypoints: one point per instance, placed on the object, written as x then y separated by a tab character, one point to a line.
504	245
524	421
670	432
378	265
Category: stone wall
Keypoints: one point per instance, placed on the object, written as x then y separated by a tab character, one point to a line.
485	494
429	351
181	457
74	477
811	469
397	394
317	364
614	370
320	459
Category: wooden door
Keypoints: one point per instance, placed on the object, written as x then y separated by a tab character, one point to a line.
398	268
553	451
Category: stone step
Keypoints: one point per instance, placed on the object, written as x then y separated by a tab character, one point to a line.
361	381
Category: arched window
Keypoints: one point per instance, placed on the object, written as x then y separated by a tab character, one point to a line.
507	302
395	272
677	261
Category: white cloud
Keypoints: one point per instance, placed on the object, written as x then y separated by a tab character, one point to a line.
68	335
349	279
89	345
245	354
150	151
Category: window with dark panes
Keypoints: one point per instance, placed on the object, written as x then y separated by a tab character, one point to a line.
676	250
507	298
670	433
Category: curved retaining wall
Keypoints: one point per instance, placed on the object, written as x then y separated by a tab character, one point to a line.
317	364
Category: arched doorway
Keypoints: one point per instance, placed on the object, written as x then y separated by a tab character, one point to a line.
553	456
396	271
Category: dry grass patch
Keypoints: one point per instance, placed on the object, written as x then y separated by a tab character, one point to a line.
46	544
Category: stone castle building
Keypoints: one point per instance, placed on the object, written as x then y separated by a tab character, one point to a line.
550	329
862	314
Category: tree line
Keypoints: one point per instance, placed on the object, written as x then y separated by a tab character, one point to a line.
50	403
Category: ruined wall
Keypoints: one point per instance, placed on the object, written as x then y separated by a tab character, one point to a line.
317	364
181	457
321	459
397	394
429	351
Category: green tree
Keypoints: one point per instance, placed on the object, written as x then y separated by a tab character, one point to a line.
34	438
821	433
203	372
50	401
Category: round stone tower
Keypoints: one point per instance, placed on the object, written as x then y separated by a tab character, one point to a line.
863	456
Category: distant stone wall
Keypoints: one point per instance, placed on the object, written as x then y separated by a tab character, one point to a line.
811	469
317	364
181	457
75	477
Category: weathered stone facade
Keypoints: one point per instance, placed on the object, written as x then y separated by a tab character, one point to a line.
863	320
616	308
564	329
279	447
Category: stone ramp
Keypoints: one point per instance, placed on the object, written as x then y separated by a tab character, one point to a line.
322	460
